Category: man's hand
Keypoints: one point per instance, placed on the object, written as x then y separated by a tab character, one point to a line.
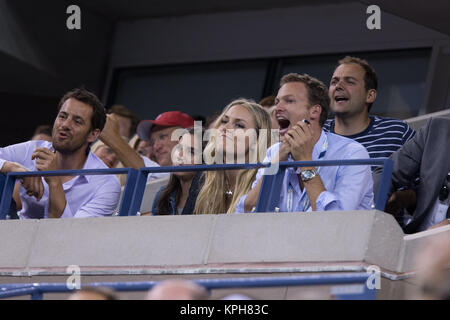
284	151
33	185
46	161
111	137
111	129
301	140
399	200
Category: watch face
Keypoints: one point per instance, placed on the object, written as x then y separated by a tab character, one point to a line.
308	174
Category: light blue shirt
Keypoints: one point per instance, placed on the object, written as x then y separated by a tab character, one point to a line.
347	187
86	196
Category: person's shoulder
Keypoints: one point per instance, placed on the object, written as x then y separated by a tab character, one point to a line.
436	126
273	148
94	162
344	146
334	138
148	162
440	121
386	122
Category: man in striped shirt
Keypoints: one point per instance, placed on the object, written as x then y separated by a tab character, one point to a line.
353	90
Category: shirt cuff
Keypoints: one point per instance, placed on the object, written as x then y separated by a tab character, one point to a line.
2	162
327	201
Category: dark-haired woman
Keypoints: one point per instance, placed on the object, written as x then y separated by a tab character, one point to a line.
180	194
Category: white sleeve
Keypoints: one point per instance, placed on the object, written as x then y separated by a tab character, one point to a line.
153	176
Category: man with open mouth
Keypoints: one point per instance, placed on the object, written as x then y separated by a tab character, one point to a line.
353	90
302	107
81	117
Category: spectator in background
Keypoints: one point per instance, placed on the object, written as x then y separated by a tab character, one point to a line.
159	133
302	107
128	157
222	189
267	102
425	155
180	194
127	121
144	149
81	118
353	90
94	293
106	154
43	132
177	290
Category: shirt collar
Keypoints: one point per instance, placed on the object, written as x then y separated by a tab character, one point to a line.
90	163
318	147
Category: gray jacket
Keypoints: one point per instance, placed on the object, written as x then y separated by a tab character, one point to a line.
427	155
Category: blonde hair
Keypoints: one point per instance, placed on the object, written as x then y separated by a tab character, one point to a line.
212	198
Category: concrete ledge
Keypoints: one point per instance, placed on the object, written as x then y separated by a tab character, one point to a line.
120	241
240	243
414	243
296	237
385	242
17	242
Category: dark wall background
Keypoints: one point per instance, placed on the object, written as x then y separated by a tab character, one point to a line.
21	114
41	60
197	56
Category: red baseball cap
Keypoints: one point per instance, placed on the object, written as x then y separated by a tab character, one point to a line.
166	119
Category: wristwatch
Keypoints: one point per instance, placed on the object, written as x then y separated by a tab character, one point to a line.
308	174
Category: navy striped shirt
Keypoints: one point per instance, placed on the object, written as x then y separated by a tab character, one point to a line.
382	137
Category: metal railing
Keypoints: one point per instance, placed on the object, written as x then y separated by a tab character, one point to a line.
356	285
136	181
9	181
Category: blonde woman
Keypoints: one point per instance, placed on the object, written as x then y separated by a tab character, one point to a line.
242	135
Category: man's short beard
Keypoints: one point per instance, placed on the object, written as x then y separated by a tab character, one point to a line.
67	151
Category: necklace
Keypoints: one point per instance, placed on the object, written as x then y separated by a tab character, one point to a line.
228	191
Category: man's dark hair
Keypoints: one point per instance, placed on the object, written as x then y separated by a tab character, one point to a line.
98	118
317	92
370	76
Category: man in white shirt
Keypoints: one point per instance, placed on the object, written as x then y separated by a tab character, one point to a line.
301	109
81	118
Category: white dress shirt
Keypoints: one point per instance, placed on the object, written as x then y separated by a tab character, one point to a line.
86	195
347	187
